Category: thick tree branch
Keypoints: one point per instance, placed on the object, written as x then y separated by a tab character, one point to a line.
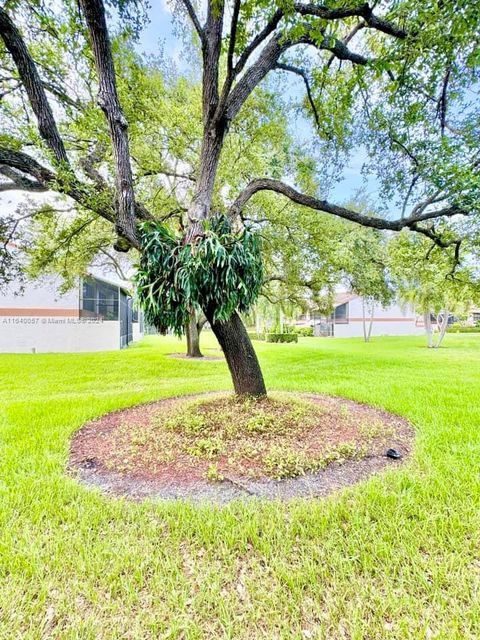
95	199
27	165
89	162
212	47
363	11
233	37
269	28
347	39
19	182
82	194
412	221
194	18
108	100
33	86
227	85
268	60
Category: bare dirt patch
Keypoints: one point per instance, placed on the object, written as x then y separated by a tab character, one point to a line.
215	447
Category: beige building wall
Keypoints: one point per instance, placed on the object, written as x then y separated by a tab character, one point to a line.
394	320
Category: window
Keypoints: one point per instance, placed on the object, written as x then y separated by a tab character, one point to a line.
476	317
88	297
99	299
340	314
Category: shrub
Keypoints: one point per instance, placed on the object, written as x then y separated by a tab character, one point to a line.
281	337
287	328
305	332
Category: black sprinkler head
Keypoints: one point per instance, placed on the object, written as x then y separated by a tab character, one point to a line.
394	454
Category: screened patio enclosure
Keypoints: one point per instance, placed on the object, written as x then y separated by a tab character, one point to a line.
107	301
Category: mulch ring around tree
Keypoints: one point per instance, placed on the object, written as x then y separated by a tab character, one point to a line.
214	447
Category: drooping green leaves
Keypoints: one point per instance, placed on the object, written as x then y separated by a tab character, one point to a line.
221	269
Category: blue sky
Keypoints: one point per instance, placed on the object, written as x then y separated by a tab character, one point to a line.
159	35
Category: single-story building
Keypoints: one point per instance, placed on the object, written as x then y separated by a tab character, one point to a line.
473	317
349	311
96	315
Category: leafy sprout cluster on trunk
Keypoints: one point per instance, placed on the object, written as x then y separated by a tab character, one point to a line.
221	269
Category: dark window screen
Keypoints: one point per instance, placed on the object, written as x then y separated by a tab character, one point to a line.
99	299
341	314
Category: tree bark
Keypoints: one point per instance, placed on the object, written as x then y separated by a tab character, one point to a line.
192	331
28	72
108	101
199	208
240	355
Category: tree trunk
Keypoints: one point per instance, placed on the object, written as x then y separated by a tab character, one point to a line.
370	326
193	337
370	306
241	358
364	321
442	329
428	327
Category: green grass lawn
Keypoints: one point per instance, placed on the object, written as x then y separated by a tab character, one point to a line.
395	557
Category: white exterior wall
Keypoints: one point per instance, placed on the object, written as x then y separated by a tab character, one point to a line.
42	293
43	334
137	334
42	320
394	320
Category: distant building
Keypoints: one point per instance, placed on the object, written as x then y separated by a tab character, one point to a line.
96	315
346	320
473	317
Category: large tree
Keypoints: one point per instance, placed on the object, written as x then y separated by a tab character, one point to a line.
163	110
374	75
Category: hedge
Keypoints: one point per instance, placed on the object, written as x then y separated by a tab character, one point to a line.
281	337
460	329
253	335
305	332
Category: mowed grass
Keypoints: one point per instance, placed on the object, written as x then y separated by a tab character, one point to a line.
395	557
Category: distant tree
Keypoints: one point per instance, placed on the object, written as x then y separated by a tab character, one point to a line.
430	279
367	274
390	81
